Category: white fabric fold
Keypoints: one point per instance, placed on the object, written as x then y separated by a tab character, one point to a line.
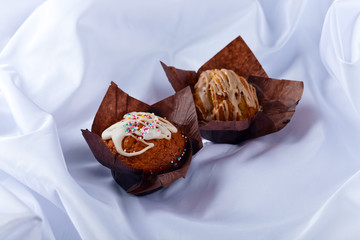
339	207
340	46
18	221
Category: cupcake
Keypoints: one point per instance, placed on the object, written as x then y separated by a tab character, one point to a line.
235	99
146	147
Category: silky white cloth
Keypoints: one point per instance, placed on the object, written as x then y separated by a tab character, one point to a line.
57	59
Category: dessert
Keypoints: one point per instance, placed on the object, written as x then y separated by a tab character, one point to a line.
145	141
223	95
218	110
161	157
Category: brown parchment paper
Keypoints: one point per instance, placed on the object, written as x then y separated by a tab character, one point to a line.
278	98
178	108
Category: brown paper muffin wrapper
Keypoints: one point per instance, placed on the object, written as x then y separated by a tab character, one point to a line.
278	98
178	108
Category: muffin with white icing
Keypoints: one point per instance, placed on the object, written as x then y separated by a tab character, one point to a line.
148	142
223	95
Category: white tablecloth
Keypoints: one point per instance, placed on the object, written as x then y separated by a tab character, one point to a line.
57	59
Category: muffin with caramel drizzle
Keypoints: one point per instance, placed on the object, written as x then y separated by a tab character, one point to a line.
145	141
223	95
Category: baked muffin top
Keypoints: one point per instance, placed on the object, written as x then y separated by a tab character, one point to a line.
224	95
145	141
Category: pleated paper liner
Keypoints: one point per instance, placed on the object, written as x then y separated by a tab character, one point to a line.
178	108
278	98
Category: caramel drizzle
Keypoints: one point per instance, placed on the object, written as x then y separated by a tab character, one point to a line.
223	83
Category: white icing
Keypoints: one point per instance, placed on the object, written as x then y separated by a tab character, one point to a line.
141	126
223	83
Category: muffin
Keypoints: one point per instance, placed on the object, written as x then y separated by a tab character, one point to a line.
224	95
270	111
145	141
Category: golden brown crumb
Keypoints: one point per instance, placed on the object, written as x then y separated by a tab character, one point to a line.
163	157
